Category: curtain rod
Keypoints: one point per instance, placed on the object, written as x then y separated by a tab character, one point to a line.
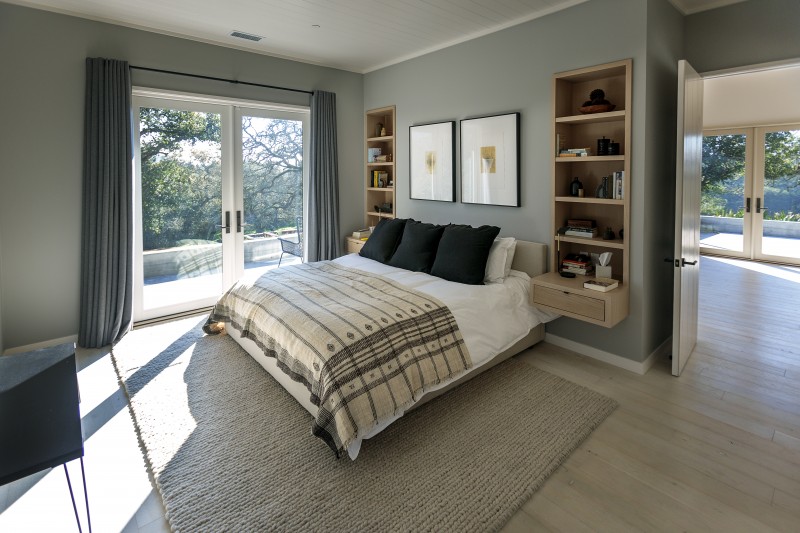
220	79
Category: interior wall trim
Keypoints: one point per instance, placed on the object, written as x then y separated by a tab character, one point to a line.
638	367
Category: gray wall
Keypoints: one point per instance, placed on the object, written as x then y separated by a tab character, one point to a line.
664	49
42	94
748	33
512	70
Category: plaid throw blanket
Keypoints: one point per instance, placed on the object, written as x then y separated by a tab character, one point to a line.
365	347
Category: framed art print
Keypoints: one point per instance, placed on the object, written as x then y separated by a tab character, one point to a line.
431	165
490	160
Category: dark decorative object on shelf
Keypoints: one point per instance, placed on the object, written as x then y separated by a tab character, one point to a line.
597	103
621	233
385	207
613	148
576	188
602	146
608	235
602	189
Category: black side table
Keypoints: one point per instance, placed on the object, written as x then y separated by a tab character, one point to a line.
40	421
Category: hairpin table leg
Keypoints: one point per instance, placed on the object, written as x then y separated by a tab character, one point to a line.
72	495
85	496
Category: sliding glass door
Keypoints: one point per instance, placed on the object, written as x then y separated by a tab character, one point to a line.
750	203
218	186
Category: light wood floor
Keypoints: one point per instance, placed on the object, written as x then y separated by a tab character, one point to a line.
717	449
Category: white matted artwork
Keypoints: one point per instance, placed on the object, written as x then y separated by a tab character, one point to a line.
490	160
431	157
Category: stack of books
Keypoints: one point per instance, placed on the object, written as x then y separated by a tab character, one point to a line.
577	264
575	152
362	234
581	228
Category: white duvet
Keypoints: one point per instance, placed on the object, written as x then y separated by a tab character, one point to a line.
491	317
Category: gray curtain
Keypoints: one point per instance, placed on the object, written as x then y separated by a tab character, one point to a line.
107	234
323	202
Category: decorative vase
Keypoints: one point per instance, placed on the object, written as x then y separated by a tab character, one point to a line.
602	189
576	187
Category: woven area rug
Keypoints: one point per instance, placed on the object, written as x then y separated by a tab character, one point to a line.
230	450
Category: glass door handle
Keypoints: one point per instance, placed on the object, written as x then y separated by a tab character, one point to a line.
746	205
759	207
227	226
239	223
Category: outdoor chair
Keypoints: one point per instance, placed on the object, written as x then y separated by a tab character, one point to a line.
293	247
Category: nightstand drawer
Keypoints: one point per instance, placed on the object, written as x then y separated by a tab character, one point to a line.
354	245
570	302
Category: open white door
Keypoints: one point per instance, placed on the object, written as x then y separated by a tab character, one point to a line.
688	171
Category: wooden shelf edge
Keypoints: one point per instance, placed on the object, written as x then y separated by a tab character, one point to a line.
382	215
585	200
610	116
382	189
595	241
381	163
382	138
591	158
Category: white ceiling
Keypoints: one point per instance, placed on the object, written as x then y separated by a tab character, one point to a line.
354	35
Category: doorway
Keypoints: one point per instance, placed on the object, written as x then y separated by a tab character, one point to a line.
218	183
750	204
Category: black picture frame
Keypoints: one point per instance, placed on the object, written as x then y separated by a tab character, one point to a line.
490	160
431	161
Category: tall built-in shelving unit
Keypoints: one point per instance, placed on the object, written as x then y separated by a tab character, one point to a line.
379	128
573	129
379	132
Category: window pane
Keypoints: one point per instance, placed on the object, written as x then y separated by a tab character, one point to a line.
781	233
181	205
722	192
272	163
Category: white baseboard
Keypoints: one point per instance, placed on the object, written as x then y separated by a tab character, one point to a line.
638	367
40	345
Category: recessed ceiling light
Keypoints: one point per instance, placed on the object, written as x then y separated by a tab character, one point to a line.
315	25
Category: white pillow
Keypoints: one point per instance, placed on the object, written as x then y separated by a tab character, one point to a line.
498	264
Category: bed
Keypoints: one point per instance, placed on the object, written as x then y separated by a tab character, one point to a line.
489	323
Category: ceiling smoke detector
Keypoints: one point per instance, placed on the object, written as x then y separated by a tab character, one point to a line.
248	36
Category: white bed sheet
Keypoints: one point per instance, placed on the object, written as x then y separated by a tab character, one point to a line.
491	318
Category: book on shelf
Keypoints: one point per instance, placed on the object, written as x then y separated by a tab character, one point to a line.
380	178
575	270
576	264
580	223
362	233
617	185
372	153
601	284
581	232
575	152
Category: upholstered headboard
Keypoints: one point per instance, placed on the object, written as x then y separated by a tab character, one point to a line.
530	257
